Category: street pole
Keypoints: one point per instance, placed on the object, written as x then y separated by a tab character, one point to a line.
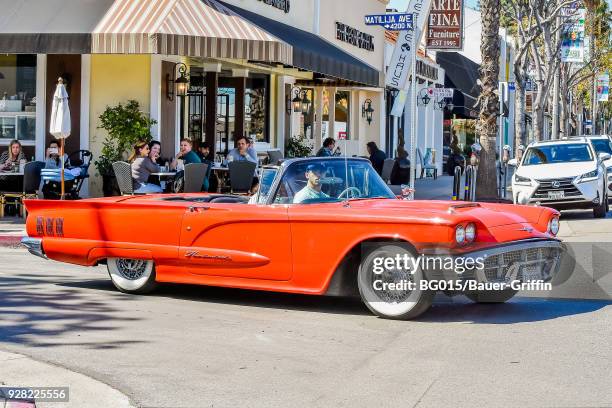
413	111
555	113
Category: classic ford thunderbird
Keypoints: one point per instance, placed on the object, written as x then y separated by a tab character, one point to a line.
320	226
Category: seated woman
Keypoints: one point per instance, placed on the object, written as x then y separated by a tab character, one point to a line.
52	157
12	156
142	167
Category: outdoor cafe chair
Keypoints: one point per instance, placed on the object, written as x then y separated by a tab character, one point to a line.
241	176
387	169
123	173
426	164
31	183
274	156
195	173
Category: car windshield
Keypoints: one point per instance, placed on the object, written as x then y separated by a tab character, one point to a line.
557	153
330	180
602	145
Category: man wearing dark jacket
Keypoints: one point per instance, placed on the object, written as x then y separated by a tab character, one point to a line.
377	157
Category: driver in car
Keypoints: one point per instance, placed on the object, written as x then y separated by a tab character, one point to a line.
312	190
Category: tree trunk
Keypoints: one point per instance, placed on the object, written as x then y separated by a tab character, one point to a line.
520	125
486	128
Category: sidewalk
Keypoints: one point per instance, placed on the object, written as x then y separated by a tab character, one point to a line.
21	371
12	229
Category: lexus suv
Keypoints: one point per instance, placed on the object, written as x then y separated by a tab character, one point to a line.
603	144
562	174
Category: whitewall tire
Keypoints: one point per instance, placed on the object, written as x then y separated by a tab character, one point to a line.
132	275
400	304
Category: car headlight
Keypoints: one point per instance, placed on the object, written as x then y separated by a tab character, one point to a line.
470	232
460	234
588	176
553	225
521	179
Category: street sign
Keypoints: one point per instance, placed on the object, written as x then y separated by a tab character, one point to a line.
443	92
392	21
341	135
511	86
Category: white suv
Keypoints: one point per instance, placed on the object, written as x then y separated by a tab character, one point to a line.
563	174
603	144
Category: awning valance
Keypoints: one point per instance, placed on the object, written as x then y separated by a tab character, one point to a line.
195	28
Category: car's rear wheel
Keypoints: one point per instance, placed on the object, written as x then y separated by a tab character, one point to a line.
491	296
401	304
132	275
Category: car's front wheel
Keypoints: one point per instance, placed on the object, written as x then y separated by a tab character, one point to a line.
132	275
602	209
388	291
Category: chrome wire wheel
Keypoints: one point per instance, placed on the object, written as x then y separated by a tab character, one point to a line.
132	275
131	269
402	302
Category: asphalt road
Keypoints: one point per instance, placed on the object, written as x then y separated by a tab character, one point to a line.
194	346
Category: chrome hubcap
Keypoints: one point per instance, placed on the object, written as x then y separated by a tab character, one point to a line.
131	269
398	277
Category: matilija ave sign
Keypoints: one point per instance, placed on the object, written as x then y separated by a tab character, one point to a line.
400	65
394	21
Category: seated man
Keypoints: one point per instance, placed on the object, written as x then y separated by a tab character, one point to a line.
312	190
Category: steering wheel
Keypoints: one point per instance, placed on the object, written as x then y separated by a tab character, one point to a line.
352	191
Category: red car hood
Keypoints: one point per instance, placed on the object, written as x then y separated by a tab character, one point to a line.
490	215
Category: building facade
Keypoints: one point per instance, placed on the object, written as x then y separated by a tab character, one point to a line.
247	62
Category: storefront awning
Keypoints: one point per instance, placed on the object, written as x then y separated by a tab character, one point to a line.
49	27
195	28
312	53
461	74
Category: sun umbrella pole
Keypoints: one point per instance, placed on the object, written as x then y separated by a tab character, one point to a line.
62	156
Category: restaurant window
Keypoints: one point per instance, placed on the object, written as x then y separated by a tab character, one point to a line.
342	114
325	118
256	112
17	98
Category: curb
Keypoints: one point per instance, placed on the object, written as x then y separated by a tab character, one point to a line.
21	371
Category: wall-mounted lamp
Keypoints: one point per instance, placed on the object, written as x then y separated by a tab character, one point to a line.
444	103
177	86
299	103
424	96
367	111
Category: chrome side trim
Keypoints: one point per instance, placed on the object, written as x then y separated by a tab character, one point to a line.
34	246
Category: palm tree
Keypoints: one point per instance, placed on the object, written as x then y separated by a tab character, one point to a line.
486	128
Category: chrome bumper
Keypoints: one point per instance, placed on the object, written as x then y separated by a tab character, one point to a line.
34	246
509	262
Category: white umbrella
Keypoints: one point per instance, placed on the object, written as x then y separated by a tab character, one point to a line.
60	120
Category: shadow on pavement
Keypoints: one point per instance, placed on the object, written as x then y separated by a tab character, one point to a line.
33	315
517	310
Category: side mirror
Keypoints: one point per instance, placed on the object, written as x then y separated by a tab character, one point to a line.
513	162
604	156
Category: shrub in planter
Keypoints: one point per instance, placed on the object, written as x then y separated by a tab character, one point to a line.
125	125
298	146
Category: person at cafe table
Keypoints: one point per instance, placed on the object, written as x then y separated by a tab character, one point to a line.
241	153
12	156
142	167
52	157
186	154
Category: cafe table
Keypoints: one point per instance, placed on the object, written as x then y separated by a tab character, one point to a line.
162	175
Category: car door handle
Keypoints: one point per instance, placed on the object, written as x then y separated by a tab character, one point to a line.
194	208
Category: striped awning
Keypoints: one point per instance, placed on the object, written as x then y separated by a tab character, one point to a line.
195	28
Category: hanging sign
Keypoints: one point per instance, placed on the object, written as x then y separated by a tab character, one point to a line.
445	25
400	65
391	21
603	87
572	38
443	92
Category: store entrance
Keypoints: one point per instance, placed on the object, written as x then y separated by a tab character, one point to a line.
226	120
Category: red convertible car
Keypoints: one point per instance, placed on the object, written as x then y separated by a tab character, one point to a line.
320	226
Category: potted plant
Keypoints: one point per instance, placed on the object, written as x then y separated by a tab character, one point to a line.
298	146
125	125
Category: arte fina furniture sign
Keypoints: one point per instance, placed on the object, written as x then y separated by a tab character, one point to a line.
354	37
445	26
284	5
